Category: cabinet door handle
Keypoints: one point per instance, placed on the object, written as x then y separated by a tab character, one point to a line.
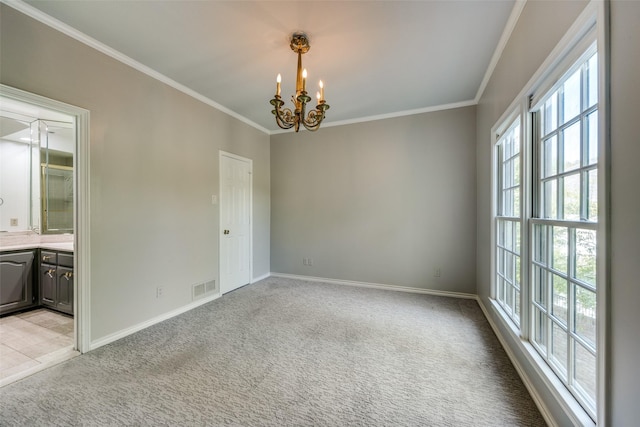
68	275
50	272
46	257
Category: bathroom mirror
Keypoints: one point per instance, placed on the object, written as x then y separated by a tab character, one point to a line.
36	169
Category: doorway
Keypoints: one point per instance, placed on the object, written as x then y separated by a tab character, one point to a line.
236	248
33	236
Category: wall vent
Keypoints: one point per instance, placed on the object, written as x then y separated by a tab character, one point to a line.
203	289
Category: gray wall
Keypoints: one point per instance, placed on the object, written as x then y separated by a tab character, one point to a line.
384	202
522	56
154	166
624	332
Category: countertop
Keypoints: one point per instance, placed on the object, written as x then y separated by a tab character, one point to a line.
58	246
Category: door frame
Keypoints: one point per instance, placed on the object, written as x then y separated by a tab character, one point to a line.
81	220
222	154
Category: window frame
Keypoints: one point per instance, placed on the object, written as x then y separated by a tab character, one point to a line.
505	130
591	26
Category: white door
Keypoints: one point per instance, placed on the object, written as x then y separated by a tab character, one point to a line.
235	221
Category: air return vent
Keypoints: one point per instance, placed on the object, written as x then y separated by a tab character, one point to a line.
203	289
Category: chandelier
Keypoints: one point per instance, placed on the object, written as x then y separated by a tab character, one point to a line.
287	119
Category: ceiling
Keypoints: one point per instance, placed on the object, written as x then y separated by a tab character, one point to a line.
376	58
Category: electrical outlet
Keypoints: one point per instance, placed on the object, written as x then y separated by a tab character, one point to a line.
307	261
13	222
159	292
436	272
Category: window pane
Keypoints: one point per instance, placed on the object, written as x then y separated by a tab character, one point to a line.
500	255
585	314
508	298
516	304
540	243
507	175
516	202
560	299
559	248
500	289
559	348
515	162
586	256
550	189
540	328
540	286
592	138
571	197
571	144
508	235
507	203
500	233
550	117
592	195
550	157
592	81
516	235
585	372
508	266
571	97
516	279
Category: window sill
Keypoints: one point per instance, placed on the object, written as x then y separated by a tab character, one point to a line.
570	406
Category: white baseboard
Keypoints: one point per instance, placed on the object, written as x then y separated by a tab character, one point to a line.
140	326
264	276
537	399
378	286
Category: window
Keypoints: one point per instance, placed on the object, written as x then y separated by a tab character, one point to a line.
564	230
546	187
508	221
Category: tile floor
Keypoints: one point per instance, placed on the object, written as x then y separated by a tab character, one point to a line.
33	338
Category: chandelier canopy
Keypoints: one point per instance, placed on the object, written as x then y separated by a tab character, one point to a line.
285	117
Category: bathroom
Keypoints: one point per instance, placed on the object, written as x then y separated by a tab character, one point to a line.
37	217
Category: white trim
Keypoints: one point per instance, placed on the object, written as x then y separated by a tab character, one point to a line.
48	20
571	408
147	323
432	109
502	43
537	399
566	44
82	238
259	278
377	286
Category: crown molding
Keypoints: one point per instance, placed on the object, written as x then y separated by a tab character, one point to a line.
48	20
502	43
404	113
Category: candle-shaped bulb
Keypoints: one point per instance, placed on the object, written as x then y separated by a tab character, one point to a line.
318	96
321	91
304	80
278	80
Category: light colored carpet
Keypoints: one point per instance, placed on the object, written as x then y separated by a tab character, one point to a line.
283	352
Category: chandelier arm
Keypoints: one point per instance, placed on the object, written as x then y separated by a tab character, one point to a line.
315	117
284	116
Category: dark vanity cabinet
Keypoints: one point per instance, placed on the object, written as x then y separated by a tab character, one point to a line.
56	280
16	281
